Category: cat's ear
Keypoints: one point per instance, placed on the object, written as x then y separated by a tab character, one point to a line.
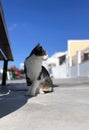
38	45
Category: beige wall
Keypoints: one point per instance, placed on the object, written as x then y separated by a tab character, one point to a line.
77	45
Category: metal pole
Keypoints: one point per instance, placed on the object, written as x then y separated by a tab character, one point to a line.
4	75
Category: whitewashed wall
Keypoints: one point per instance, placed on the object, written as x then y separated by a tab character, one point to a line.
82	71
59	71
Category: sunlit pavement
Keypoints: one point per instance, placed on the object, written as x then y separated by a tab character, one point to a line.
67	108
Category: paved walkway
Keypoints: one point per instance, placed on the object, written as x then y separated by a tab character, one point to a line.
67	108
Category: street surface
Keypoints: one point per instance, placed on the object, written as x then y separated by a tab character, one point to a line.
67	108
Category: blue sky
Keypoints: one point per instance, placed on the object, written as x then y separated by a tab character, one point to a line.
49	22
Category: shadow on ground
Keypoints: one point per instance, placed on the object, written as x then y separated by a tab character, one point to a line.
11	102
15	99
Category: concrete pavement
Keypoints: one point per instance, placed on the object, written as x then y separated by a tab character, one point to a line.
67	108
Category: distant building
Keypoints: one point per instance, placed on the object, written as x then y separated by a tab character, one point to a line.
78	58
78	47
56	65
22	66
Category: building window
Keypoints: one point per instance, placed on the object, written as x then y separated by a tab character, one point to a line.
86	56
62	60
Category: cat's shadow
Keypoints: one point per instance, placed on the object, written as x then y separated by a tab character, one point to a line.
11	102
14	100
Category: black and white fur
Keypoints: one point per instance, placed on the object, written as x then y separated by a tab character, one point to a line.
37	77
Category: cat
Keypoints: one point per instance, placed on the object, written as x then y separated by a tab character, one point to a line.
37	77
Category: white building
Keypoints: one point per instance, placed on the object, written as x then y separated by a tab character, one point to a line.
56	65
78	55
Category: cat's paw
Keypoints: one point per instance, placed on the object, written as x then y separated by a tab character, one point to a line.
41	92
27	94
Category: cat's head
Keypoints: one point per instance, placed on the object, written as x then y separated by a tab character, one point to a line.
39	51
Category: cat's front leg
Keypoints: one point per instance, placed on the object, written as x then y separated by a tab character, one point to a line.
34	88
28	91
